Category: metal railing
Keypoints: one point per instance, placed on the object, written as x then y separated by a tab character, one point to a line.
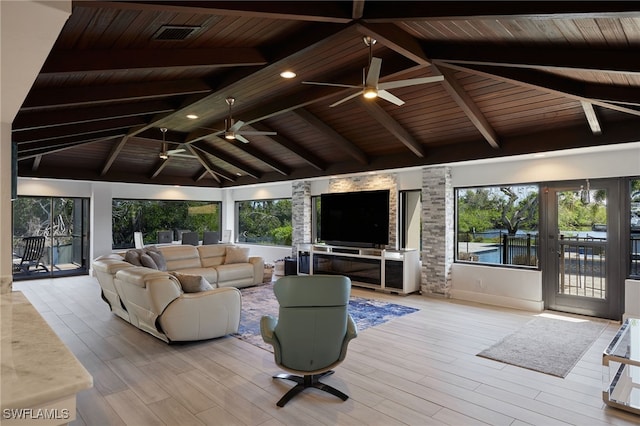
582	266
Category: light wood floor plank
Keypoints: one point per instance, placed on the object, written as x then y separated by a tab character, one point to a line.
419	369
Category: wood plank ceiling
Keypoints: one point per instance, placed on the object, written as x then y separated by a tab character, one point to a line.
518	77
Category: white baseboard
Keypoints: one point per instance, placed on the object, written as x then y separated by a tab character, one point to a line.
491	299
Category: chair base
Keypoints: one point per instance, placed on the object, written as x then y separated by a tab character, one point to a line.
307	381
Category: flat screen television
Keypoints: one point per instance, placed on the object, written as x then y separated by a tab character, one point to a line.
355	219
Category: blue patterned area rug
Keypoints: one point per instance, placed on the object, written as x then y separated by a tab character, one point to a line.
260	300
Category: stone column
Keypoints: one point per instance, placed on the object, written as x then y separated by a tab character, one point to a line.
300	213
437	230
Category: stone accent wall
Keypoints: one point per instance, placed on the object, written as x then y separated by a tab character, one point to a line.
437	230
372	183
301	213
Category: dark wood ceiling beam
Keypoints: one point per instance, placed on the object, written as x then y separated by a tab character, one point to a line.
260	156
392	126
403	43
291	146
76	129
210	168
397	40
36	163
30	120
131	59
377	11
78	96
160	166
113	154
334	137
357	9
468	106
540	81
319	11
592	118
214	152
535	57
62	144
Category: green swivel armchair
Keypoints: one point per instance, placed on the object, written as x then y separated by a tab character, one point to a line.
313	329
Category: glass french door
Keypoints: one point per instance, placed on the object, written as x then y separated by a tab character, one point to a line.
63	222
581	242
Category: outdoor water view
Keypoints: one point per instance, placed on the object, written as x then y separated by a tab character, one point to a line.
498	225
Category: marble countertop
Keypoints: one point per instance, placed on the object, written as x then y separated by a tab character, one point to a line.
36	366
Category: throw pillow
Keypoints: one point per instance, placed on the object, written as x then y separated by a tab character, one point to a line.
133	257
147	261
159	259
236	255
192	283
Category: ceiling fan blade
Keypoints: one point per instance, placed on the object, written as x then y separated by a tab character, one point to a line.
317	83
409	82
175	151
345	99
236	126
373	75
389	97
249	132
177	154
241	138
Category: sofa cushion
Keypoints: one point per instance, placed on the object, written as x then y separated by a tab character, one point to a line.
209	274
192	283
212	255
236	255
158	258
233	272
133	257
147	261
180	257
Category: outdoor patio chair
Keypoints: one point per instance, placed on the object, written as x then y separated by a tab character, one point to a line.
211	237
190	238
32	253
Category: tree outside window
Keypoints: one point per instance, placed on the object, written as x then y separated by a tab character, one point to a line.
264	221
151	216
498	224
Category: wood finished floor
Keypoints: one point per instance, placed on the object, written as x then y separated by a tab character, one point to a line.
419	369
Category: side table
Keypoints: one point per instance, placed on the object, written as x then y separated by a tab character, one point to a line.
621	368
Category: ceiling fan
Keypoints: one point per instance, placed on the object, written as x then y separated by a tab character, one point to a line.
233	129
165	153
370	87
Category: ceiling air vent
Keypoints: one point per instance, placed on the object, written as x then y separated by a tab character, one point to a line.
174	32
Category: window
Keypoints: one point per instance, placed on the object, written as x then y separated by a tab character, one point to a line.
152	216
410	219
498	225
264	221
634	196
64	222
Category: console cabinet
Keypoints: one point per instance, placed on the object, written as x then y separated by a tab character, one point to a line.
395	271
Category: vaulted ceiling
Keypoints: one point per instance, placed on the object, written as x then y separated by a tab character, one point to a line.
514	78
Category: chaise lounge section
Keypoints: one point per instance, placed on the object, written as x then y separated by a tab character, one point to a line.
181	292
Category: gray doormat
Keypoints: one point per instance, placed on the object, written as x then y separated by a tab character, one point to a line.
548	345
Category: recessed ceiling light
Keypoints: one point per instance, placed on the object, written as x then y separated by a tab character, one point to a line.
192	116
287	74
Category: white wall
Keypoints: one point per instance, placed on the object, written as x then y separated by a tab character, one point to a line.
504	286
517	288
508	287
28	30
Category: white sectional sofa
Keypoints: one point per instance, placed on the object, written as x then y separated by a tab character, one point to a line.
154	299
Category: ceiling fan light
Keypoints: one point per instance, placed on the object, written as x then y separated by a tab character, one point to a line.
164	156
229	135
370	93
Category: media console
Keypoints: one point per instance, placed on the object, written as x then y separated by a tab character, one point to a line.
394	271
